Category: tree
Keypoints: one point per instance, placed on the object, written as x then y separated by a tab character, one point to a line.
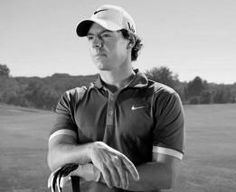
195	87
10	91
163	75
40	95
4	71
223	95
205	97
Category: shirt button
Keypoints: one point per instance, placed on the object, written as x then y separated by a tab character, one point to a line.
110	113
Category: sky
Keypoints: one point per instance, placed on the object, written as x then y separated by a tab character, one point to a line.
190	37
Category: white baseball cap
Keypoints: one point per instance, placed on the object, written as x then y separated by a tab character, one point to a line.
111	17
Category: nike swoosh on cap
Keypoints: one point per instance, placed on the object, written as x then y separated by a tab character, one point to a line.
99	11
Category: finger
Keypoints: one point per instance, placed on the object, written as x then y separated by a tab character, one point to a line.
127	180
51	177
64	172
50	180
58	182
53	185
121	171
67	169
115	177
131	168
64	180
106	177
54	181
123	177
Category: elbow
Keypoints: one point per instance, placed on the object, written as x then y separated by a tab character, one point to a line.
169	183
52	162
166	180
54	156
170	179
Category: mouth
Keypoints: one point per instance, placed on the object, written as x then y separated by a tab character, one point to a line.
100	55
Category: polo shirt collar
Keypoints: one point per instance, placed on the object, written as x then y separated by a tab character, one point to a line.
98	83
140	80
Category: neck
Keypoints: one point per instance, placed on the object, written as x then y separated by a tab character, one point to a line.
116	77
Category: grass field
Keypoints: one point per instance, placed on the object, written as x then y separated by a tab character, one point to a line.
208	165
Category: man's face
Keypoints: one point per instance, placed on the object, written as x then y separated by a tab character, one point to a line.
108	48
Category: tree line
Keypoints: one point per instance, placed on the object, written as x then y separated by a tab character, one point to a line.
44	93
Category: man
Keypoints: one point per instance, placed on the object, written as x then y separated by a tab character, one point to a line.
124	132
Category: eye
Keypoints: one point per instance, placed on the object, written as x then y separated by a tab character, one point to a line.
89	37
106	35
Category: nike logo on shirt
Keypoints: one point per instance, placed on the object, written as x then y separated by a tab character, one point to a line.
138	107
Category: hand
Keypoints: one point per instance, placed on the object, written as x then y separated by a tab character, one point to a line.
62	175
114	166
88	172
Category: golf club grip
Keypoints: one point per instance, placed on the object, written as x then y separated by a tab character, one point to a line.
75	184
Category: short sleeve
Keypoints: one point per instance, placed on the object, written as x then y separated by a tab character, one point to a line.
65	109
169	127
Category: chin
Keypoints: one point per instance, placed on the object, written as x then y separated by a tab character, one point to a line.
102	66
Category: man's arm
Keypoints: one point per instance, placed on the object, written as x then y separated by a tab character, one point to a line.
63	150
113	165
159	174
156	175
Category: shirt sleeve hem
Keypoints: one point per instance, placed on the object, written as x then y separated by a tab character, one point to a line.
167	151
62	132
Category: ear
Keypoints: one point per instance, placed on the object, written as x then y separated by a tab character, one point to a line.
131	42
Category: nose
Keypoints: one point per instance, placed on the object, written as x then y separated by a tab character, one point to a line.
97	42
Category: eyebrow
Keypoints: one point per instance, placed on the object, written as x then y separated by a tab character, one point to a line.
101	32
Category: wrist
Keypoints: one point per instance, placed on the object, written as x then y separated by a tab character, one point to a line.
88	172
88	149
76	172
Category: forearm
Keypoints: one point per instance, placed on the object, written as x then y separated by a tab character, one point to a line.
64	153
153	176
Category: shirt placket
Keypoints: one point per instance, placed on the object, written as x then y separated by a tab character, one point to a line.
109	131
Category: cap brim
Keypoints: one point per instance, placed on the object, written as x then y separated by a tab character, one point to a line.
84	26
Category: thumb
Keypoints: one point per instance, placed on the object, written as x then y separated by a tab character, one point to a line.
64	180
97	174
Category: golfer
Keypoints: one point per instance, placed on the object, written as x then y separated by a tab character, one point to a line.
124	132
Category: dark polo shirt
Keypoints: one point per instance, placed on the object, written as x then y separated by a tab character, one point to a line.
142	118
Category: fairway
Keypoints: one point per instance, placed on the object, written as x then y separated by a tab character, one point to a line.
208	165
